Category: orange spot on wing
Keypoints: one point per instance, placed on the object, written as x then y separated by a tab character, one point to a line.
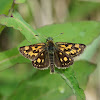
42	60
63	46
35	54
41	54
62	49
25	52
65	59
38	60
26	47
39	47
31	53
67	52
73	51
79	50
61	59
33	48
77	45
69	46
60	53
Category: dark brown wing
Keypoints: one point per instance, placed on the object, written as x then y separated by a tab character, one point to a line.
32	51
62	60
70	49
42	62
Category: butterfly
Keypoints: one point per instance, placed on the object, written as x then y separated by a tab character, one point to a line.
50	54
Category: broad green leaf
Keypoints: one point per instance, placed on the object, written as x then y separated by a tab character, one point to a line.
82	70
18	23
90	50
73	84
10	58
5	6
11	77
80	9
44	86
9	82
78	32
1	28
19	1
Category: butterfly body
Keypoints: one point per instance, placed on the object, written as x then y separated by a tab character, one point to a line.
50	54
50	49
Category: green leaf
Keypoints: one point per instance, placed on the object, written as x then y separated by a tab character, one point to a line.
90	50
19	1
5	6
77	32
18	23
44	86
9	58
80	32
82	70
80	9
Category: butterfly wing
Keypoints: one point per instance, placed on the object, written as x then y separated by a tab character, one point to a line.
70	49
42	62
62	60
32	51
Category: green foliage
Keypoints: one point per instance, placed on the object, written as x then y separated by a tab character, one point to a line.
19	1
5	6
84	33
80	32
41	85
46	86
81	9
10	58
76	32
18	23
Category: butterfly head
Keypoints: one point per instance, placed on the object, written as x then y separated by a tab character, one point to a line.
49	39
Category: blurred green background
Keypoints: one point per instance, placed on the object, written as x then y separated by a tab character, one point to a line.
22	81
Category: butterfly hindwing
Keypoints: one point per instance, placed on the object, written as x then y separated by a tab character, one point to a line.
32	51
70	49
62	60
42	62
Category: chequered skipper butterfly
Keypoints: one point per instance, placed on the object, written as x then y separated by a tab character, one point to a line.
44	55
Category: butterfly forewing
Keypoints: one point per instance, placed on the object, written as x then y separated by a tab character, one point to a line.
70	49
42	62
62	60
32	51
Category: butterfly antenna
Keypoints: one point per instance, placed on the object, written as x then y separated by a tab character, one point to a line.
58	35
29	42
38	36
33	38
43	36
